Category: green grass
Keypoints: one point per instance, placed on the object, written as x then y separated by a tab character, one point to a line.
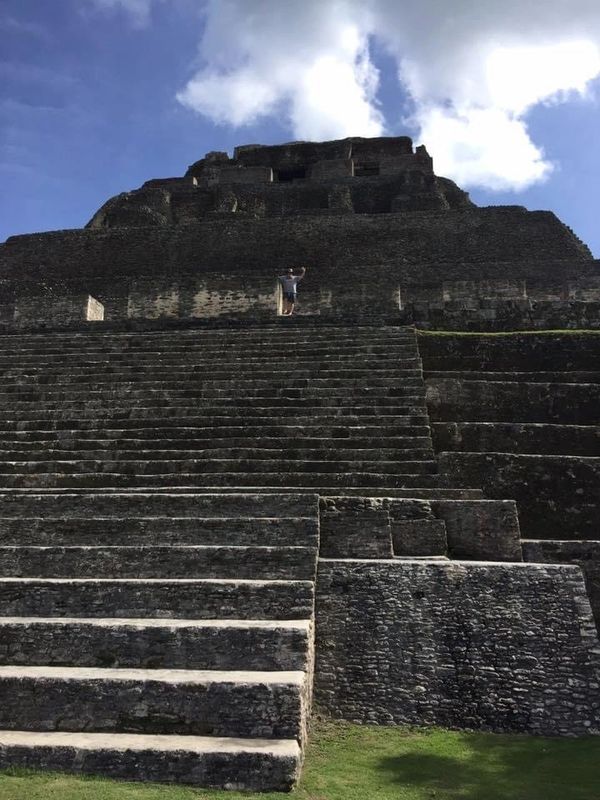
350	762
495	334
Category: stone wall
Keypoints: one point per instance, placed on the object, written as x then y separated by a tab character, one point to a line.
379	527
585	554
396	265
473	400
558	496
518	416
551	351
484	646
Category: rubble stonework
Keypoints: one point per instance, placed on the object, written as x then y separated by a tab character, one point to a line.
182	471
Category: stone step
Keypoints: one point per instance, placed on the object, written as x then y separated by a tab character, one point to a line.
546	359
139	343
225	347
502	401
133	598
54	346
219	350
100	531
131	393
518	437
186	702
207	455
382	416
67	446
303	360
258	765
223	434
145	467
299	325
140	505
156	561
324	373
48	398
185	403
417	493
182	377
263	645
27	388
216	481
557	376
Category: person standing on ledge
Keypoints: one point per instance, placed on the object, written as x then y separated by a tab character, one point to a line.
289	282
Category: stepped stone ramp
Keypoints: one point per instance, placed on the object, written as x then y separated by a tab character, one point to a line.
320	408
519	415
160	637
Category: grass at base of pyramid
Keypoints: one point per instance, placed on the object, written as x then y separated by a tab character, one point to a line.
361	762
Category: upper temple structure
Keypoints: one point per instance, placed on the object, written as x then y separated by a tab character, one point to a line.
349	176
211	513
410	244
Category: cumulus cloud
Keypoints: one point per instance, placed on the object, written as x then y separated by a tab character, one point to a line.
472	70
307	62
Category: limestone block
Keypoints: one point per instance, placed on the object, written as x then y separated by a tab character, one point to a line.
419	537
355	527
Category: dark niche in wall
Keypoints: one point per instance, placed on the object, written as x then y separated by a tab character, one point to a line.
289	175
366	168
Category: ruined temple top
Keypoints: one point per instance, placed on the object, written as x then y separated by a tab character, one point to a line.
294	161
345	176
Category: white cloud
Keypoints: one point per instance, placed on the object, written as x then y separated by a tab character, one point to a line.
306	62
473	69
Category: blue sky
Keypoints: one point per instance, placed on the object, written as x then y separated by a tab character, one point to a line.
97	96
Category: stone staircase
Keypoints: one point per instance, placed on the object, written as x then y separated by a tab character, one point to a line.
159	532
302	406
158	637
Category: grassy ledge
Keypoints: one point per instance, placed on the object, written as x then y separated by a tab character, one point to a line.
351	762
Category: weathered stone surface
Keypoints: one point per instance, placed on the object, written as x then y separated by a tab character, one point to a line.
221	655
252	764
156	643
202	598
188	702
511	352
111	531
483	530
474	401
169	561
355	527
508	647
419	537
557	496
585	554
192	271
517	437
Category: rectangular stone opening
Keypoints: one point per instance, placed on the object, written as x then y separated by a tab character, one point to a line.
365	168
291	174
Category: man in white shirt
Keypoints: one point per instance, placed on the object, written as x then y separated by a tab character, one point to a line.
289	282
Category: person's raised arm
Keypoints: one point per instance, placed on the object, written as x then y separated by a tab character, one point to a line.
302	273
